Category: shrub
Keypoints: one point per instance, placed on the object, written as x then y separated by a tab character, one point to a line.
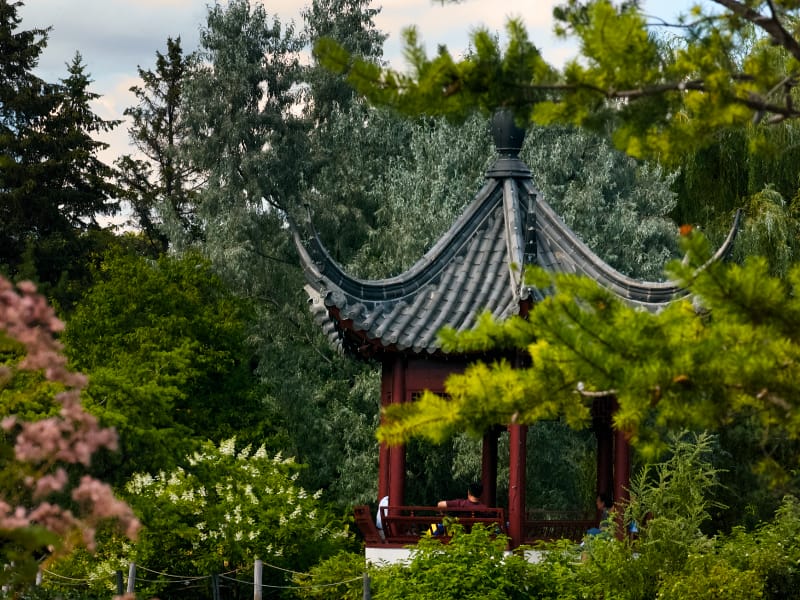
47	504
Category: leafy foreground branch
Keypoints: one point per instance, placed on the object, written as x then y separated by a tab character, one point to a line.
728	63
727	354
670	557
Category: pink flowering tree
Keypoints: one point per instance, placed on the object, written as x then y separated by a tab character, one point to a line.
47	503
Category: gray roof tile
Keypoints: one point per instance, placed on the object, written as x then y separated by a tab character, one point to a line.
474	267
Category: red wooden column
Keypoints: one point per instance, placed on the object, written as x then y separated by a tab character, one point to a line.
602	411
622	462
516	484
384	452
489	467
605	446
397	454
622	474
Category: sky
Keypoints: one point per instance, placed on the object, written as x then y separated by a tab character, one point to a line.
114	37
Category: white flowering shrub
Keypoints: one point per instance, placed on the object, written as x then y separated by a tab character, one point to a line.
229	507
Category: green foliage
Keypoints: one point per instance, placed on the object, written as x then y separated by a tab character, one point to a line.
664	96
229	506
669	557
419	194
165	345
340	576
670	501
351	24
673	498
707	577
251	140
442	85
241	135
752	170
770	230
619	207
771	552
734	361
355	152
471	565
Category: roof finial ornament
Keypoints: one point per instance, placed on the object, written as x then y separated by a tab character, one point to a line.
508	136
508	139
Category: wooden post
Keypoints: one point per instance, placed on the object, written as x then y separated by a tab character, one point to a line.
603	409
516	484
215	586
120	585
131	578
384	451
605	444
367	592
257	580
622	476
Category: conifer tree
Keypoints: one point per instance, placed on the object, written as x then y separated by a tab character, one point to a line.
53	185
25	102
161	186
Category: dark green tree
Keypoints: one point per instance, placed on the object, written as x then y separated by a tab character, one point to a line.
53	185
161	185
73	188
25	102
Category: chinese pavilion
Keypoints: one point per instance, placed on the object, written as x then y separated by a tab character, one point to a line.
476	266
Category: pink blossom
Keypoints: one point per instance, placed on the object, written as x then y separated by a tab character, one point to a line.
27	287
71	437
54	517
48	484
100	499
15	519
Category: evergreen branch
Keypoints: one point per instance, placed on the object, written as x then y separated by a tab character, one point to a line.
771	25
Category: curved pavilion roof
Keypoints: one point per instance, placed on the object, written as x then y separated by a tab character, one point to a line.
474	267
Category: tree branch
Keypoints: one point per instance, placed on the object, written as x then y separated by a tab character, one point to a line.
771	25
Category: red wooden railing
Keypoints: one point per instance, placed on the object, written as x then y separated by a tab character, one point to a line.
403	525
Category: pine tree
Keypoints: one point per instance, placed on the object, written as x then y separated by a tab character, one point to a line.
25	102
726	64
53	185
161	186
